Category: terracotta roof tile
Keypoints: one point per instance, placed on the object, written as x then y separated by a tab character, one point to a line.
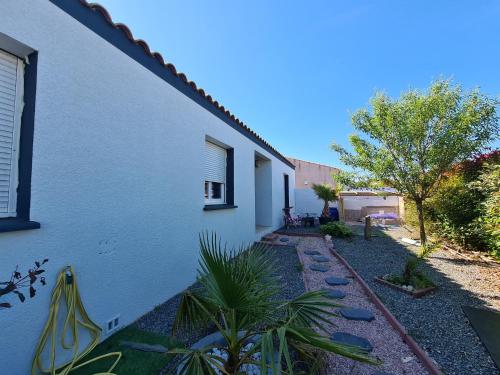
156	55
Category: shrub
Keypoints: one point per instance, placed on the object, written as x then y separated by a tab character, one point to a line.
336	229
488	223
412	274
465	208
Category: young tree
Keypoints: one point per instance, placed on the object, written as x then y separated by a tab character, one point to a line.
327	194
409	143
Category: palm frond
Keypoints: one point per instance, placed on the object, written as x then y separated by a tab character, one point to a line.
301	336
198	362
311	309
239	280
325	192
195	312
283	349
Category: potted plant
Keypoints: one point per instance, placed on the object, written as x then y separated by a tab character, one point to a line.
256	332
327	194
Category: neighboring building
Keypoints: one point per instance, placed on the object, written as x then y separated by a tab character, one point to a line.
355	205
306	174
113	162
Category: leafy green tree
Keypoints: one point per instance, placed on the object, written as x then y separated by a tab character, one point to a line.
238	295
411	142
326	193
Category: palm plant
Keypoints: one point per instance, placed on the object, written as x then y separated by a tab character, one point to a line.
327	193
238	295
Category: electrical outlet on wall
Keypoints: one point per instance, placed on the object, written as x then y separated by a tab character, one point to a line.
112	324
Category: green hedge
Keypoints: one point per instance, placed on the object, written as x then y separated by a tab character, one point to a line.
465	208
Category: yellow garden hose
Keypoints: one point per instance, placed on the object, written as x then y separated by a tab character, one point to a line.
76	319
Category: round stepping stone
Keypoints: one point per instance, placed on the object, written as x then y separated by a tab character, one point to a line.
348	339
284	239
333	293
319	267
312	252
357	314
320	258
336	281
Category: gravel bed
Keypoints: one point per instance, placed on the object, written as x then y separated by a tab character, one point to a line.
288	269
436	321
397	357
297	231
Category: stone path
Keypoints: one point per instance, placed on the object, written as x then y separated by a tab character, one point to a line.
359	321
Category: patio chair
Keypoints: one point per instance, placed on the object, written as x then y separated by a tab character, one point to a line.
289	219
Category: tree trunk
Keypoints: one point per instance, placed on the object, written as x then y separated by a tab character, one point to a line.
368	228
420	210
326	209
231	364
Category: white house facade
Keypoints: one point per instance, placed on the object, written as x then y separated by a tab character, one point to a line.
113	162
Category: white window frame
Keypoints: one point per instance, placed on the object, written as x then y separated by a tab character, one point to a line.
14	165
209	199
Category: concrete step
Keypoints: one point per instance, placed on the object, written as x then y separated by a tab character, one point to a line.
270	237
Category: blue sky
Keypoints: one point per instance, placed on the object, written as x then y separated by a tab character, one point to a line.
294	71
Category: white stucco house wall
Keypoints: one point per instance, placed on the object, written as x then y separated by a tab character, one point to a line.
114	165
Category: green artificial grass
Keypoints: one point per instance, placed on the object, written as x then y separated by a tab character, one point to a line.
133	362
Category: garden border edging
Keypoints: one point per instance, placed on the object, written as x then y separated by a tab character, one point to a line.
417	350
417	293
297	234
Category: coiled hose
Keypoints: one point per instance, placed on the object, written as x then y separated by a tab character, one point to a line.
76	319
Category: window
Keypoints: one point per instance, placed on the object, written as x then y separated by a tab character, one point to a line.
18	69
215	173
11	106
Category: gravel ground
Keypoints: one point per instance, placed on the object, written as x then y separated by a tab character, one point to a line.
288	268
435	321
297	231
396	356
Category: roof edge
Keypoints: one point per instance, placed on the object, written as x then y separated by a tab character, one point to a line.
313	162
96	18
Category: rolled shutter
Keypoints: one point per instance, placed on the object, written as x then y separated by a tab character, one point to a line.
11	96
215	163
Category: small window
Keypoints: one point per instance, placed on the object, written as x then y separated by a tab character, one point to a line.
215	173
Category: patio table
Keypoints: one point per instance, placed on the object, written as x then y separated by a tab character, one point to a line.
308	220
